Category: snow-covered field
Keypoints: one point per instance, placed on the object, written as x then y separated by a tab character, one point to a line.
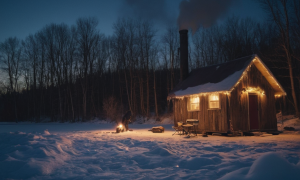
91	151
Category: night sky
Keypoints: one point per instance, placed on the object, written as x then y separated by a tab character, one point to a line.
23	17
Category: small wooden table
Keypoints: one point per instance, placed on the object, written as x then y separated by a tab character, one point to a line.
193	122
188	127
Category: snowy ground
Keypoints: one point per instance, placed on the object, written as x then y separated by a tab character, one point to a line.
91	151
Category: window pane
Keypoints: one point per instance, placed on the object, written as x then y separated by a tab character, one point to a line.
194	106
195	100
214	104
194	103
214	97
214	101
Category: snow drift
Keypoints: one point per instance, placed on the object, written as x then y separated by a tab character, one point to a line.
268	166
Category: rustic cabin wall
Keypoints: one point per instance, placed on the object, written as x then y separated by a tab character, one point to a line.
180	110
239	102
239	106
266	102
209	120
223	119
176	111
201	125
215	120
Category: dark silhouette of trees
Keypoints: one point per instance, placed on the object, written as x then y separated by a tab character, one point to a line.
285	15
11	61
72	73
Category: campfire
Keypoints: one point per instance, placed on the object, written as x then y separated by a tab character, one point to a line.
120	128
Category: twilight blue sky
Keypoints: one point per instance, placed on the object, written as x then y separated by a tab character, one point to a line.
23	17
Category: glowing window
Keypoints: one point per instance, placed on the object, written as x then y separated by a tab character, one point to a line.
194	104
214	101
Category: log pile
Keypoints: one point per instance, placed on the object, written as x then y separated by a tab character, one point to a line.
158	129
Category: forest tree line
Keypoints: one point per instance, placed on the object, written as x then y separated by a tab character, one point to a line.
76	73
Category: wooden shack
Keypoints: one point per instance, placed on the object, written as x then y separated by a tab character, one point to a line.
238	95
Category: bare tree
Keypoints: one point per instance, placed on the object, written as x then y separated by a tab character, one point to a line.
11	58
88	38
280	12
31	51
171	41
126	50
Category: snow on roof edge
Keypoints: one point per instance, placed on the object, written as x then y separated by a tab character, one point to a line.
222	86
270	72
186	92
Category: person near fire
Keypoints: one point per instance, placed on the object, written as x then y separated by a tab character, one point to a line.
126	119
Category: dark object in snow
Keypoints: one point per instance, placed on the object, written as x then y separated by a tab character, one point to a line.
238	133
217	134
274	132
158	129
248	134
204	134
126	120
289	128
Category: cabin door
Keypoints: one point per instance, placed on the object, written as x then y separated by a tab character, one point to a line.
253	111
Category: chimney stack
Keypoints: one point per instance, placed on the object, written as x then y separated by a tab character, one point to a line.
184	64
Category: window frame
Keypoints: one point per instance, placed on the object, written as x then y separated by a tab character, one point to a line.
209	108
190	103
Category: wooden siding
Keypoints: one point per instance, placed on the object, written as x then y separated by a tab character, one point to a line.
266	103
209	120
237	103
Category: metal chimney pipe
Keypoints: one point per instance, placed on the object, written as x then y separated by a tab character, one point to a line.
184	63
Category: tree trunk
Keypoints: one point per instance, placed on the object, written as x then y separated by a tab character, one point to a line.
155	97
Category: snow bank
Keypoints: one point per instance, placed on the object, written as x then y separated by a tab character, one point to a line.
196	163
26	155
288	121
92	151
268	166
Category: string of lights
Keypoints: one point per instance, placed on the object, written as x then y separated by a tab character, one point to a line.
266	73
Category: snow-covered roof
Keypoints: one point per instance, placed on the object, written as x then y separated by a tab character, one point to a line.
222	78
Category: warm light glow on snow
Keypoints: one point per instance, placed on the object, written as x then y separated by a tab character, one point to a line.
52	150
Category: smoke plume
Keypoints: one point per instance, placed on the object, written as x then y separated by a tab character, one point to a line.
196	13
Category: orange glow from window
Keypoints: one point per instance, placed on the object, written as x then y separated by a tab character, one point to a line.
195	100
214	101
194	103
